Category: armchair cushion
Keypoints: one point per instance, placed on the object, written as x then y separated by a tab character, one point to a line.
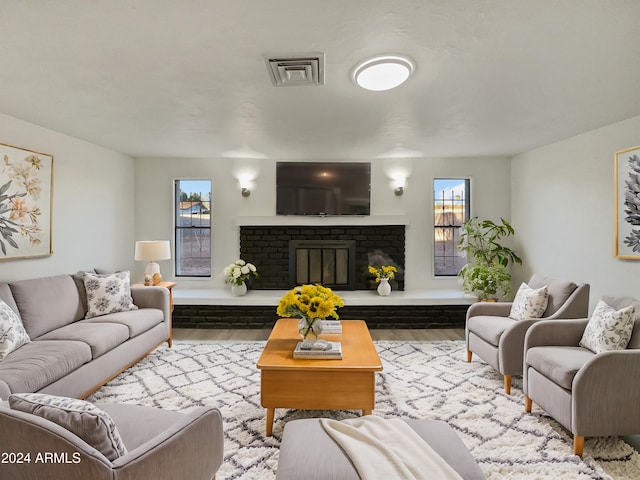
559	364
489	328
608	328
529	302
558	291
81	418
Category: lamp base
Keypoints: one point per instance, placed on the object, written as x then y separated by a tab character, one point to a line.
152	275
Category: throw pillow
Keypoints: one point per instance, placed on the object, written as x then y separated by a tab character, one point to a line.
108	294
81	418
608	328
12	332
529	302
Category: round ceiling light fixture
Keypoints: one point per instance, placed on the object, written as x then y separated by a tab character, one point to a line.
383	72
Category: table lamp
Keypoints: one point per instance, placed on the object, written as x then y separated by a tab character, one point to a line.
152	251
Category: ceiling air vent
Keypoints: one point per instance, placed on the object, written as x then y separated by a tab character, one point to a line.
304	70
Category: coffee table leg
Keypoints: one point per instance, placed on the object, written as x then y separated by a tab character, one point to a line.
366	412
270	414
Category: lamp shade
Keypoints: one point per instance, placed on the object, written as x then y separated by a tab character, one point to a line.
153	250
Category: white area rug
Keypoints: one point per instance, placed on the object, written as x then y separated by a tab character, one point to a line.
420	380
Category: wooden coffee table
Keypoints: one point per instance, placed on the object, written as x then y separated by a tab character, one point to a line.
346	384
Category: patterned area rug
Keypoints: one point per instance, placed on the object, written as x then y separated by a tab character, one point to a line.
420	380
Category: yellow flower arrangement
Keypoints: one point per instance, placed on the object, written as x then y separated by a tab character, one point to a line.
310	301
385	271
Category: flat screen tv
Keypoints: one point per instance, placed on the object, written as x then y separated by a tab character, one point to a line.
323	188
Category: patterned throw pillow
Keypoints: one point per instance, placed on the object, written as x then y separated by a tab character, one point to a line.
12	332
83	419
108	293
608	328
529	302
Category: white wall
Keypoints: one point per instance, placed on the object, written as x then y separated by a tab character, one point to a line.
92	221
154	214
563	211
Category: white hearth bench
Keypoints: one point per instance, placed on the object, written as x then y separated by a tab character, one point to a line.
218	308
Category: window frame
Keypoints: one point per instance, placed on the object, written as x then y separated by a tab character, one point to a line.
177	190
468	204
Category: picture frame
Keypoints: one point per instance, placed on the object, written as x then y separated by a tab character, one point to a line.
26	198
627	203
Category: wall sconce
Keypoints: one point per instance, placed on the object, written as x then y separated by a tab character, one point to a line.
398	191
399	182
245	184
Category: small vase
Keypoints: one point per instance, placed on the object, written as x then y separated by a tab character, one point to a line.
384	288
238	290
309	329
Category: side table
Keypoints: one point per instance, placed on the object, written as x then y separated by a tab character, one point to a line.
169	286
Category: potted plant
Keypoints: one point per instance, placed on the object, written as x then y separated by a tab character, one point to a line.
486	273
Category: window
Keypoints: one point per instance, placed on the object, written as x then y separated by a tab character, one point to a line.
450	210
193	228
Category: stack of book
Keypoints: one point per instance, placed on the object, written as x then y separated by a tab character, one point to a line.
331	326
320	350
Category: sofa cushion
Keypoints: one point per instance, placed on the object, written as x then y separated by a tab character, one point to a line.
608	328
559	364
529	302
108	294
489	328
558	291
41	362
137	322
101	337
620	302
47	303
12	333
81	418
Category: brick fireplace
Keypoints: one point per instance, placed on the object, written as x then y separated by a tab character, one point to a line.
336	256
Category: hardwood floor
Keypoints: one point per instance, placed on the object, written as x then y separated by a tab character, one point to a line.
213	334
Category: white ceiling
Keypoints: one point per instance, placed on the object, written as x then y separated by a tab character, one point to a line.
187	78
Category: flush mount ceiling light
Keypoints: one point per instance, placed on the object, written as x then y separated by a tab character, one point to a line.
383	72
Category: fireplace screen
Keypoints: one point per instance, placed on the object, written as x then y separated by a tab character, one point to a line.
329	262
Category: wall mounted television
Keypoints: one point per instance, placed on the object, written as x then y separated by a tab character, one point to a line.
323	188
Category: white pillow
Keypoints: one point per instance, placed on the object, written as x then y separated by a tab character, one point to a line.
12	332
83	419
608	328
108	293
529	302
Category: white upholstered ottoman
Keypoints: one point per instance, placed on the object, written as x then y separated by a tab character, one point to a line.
308	453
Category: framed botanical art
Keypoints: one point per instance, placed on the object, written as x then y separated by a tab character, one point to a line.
627	193
26	193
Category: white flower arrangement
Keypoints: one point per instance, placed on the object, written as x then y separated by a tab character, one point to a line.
240	271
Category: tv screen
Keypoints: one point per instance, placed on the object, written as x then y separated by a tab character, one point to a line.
313	188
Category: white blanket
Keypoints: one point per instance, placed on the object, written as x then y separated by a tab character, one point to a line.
388	449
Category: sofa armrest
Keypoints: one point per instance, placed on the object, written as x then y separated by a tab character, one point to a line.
197	440
152	297
605	395
559	332
494	309
511	348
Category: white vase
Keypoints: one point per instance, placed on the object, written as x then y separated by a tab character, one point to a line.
309	329
384	288
238	290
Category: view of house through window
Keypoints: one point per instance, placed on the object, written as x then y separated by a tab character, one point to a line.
193	228
450	210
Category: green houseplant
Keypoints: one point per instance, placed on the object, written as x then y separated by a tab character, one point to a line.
486	273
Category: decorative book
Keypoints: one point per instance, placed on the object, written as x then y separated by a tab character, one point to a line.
331	326
321	350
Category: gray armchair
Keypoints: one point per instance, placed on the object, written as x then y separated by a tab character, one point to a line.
499	340
589	394
161	444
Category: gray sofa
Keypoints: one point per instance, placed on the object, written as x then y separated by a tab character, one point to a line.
72	356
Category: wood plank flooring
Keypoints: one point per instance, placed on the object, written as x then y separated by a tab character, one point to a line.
213	334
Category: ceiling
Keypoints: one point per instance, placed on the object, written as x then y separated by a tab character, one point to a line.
188	78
